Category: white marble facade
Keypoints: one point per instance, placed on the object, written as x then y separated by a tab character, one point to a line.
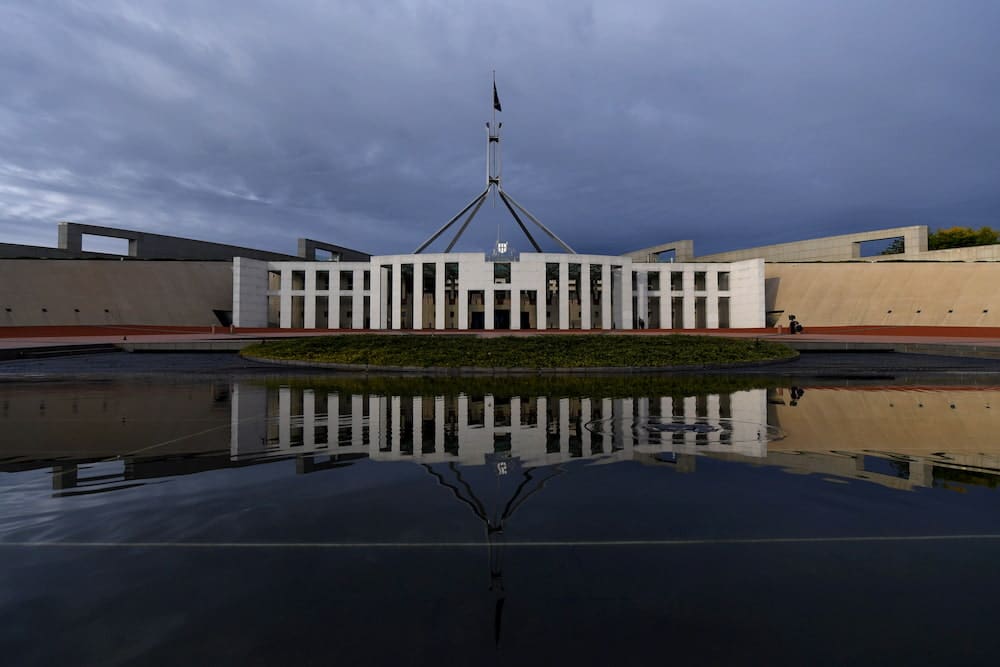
462	291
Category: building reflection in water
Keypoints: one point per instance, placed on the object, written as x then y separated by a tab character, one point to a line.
99	438
473	429
522	440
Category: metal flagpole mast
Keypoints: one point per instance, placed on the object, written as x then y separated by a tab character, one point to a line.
493	177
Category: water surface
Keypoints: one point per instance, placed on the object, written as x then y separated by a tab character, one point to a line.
261	520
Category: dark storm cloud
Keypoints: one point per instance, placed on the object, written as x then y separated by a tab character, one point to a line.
626	124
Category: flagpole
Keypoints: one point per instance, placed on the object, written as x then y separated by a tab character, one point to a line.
493	130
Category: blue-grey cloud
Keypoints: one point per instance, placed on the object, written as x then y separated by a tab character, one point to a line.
625	124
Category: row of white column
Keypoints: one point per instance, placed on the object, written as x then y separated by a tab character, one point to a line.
310	294
688	294
616	417
516	288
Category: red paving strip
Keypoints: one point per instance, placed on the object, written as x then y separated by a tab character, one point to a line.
140	330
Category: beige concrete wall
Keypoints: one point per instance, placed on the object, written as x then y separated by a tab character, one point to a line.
864	293
683	252
959	422
841	248
828	248
47	292
979	253
109	420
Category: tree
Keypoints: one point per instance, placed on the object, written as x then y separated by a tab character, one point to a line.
961	237
897	247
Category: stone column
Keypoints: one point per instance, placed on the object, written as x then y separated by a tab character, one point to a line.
606	295
418	426
285	317
666	300
688	308
563	293
357	300
439	423
439	298
397	294
309	418
284	417
642	296
463	301
712	299
309	322
515	309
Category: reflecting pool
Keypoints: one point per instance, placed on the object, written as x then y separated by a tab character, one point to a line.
284	520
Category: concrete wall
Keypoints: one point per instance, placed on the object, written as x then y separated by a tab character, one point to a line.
979	253
308	248
878	293
828	248
841	248
46	292
249	292
17	251
144	245
683	252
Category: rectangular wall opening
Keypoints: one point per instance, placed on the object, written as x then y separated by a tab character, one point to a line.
345	312
428	298
477	309
105	244
501	309
529	309
551	295
406	300
274	311
879	247
596	296
616	288
451	295
298	312
653	313
677	312
575	310
322	312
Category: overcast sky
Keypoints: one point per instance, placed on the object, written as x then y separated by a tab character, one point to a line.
626	124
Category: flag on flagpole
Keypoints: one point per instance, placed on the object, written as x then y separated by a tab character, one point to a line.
496	98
